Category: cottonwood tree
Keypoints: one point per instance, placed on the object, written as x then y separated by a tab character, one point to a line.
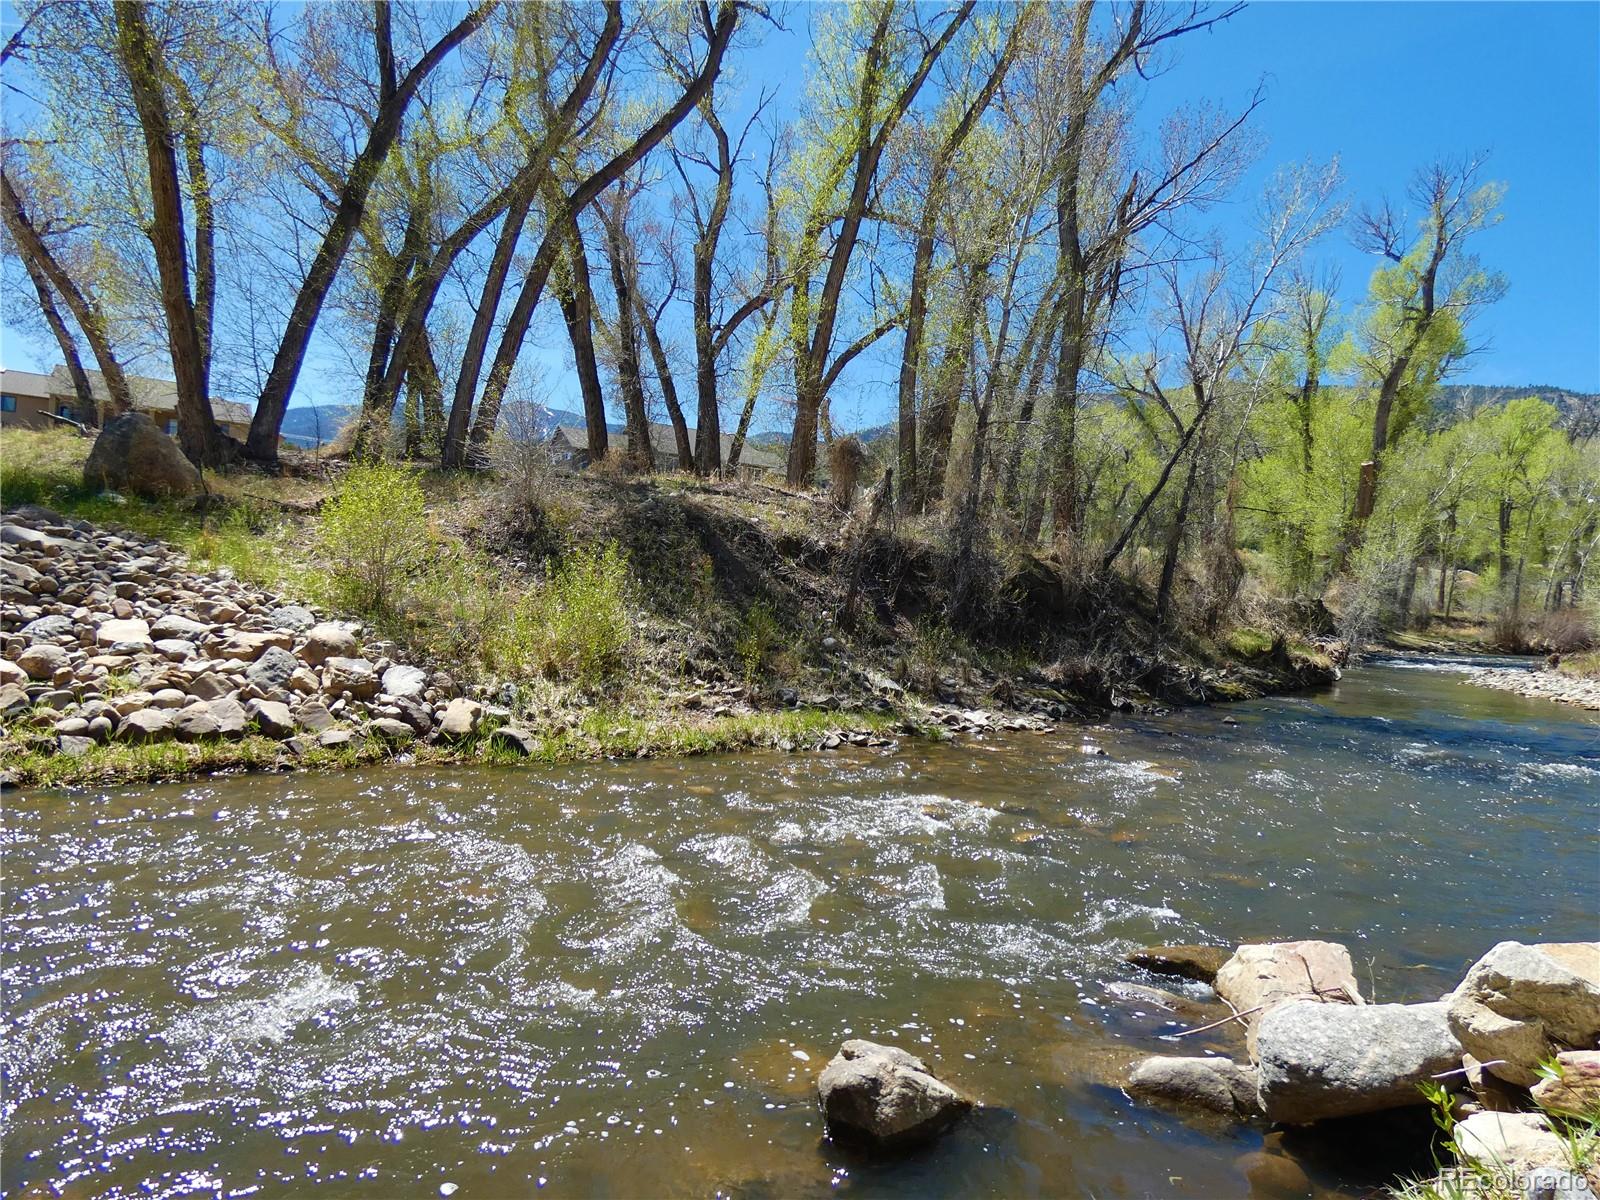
877	60
375	134
716	32
1212	312
1421	304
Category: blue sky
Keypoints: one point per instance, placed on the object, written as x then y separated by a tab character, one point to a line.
1385	86
1388	87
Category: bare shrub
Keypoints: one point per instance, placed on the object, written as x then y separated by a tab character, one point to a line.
1565	631
847	459
521	461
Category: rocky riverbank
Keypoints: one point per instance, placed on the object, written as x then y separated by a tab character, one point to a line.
1512	1053
120	662
1543	684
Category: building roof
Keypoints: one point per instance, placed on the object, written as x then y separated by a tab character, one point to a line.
149	395
24	383
665	443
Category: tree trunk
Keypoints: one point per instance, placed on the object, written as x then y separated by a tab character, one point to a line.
649	322
424	376
494	285
1169	562
641	452
395	98
577	310
31	246
81	389
708	418
197	428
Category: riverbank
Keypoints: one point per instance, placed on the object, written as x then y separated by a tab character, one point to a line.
123	663
563	616
1583	691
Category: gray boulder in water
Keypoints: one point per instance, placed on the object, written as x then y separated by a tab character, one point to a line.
1217	1085
887	1097
1318	1061
133	455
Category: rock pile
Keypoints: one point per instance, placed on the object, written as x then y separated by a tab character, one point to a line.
1319	1051
117	636
1540	685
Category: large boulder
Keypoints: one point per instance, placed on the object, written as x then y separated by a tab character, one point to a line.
1519	1004
1318	1060
146	725
885	1096
460	719
1260	976
272	670
1575	1089
43	661
406	682
130	632
133	455
1217	1085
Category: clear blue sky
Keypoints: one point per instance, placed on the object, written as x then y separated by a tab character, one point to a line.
1387	87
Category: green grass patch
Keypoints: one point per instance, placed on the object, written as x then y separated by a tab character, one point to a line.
1246	642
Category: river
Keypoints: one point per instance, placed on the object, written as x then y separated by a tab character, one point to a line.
622	979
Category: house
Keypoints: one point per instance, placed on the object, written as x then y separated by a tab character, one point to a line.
32	401
569	445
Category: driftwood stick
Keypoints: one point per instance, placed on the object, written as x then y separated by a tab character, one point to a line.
1498	1062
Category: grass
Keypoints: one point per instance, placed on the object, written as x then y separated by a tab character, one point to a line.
1582	666
1248	643
601	734
1579	1135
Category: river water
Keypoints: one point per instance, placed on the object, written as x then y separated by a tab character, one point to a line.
622	979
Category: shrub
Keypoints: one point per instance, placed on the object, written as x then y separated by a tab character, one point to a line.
374	534
579	621
759	637
847	459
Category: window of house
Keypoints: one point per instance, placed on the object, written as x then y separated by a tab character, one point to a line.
172	428
64	410
8	404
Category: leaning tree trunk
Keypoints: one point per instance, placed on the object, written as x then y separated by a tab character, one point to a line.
87	314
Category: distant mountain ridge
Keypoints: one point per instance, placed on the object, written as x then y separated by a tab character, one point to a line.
315	424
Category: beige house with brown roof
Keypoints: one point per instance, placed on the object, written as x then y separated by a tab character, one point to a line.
34	401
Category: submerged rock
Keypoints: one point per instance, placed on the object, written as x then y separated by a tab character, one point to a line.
1200	963
1519	1004
1217	1085
1337	1060
885	1096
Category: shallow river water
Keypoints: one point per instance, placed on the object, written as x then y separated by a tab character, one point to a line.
621	980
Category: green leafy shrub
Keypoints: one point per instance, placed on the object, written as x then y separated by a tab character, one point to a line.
759	637
579	623
374	534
